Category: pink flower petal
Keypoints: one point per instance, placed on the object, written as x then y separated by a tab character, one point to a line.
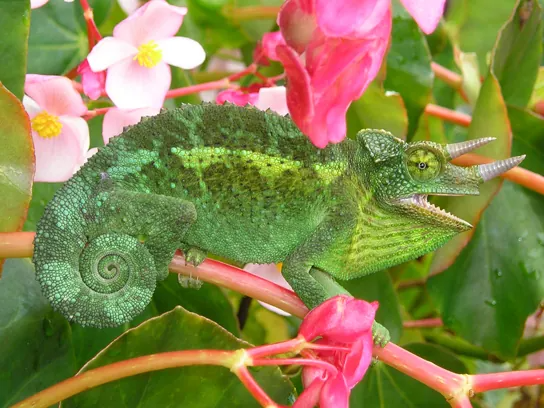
93	82
335	393
266	48
131	86
299	96
426	13
31	107
90	153
57	157
274	98
271	273
358	360
37	3
155	20
116	119
182	52
350	18
341	319
109	51
312	389
56	95
236	97
296	20
129	6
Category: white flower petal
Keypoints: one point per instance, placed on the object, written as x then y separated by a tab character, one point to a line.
182	52
109	51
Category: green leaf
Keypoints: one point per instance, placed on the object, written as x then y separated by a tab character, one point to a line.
255	28
58	42
378	286
490	118
516	57
16	162
15	23
378	110
528	129
42	193
474	24
36	343
208	301
384	386
409	66
496	282
192	386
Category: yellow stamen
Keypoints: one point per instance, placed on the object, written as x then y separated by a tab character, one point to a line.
149	54
46	125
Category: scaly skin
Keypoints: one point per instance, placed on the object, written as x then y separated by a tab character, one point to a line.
242	184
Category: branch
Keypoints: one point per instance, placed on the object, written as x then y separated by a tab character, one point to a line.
251	13
448	115
487	382
451	78
122	369
417	324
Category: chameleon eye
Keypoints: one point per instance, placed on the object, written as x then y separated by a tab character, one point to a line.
423	164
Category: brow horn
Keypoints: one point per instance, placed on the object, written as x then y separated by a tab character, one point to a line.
458	149
492	170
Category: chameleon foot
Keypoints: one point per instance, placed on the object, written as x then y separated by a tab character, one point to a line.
194	256
380	334
188	282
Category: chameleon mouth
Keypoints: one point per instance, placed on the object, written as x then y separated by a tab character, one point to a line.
420	200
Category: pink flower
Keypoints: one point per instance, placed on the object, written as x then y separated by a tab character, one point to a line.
138	54
92	82
344	43
342	322
116	119
272	273
266	48
38	3
60	135
273	98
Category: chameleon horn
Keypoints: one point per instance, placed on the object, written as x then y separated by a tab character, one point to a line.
458	149
492	170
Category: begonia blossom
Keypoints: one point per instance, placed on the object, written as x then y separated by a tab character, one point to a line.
34	4
343	44
93	82
346	323
272	273
59	133
137	56
116	119
273	98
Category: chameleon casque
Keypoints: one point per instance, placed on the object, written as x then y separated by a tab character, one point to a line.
249	186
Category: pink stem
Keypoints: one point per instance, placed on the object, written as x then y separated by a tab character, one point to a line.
460	402
250	69
292	345
296	361
96	112
206	86
238	280
326	347
253	387
438	378
432	322
92	30
487	382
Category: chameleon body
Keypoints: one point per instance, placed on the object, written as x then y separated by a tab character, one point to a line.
242	184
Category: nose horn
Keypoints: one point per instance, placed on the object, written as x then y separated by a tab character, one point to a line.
492	170
458	149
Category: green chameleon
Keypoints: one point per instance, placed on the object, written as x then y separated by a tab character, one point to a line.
249	186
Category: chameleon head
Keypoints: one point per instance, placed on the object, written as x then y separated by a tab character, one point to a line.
405	174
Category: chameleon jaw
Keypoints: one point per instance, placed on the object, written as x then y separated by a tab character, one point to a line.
420	201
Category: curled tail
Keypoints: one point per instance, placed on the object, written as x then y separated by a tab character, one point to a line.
98	255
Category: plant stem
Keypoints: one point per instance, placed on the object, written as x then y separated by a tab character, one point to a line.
93	34
411	283
431	322
460	402
206	86
251	13
439	379
451	78
296	361
253	387
16	244
122	369
277	348
243	282
530	345
448	115
518	175
96	112
487	382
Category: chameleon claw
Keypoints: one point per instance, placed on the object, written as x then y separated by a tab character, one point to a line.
380	334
